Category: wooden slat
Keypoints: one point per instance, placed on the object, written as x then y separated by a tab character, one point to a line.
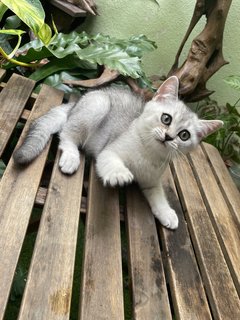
230	191
220	288
18	188
225	225
13	99
2	73
49	284
150	298
187	289
102	292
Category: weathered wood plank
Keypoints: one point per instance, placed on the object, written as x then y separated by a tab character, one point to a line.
225	225
150	298
13	99
49	285
219	285
187	290
102	292
18	189
2	73
230	191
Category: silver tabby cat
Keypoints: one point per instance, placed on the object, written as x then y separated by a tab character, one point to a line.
130	139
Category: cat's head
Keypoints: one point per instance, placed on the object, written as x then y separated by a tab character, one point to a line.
169	123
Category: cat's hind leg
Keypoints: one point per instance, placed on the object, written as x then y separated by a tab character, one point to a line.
112	170
82	122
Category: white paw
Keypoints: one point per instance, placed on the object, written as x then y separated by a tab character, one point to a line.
118	177
168	218
69	162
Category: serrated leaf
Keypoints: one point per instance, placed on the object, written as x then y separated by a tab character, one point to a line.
55	65
113	57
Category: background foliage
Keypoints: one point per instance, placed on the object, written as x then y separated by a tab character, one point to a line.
227	139
45	55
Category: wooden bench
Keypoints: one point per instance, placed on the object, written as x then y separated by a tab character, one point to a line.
191	273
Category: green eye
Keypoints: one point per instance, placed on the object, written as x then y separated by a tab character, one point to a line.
166	119
184	135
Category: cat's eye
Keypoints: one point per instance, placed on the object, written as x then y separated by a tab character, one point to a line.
166	119
184	135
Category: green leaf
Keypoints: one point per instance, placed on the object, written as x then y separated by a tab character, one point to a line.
134	46
113	57
12	22
55	65
3	9
45	33
32	14
233	81
29	11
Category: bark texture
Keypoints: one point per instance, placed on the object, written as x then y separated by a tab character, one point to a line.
205	56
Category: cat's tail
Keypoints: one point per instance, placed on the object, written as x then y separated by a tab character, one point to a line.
40	132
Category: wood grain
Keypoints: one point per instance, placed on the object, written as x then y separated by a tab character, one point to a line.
18	189
102	291
13	99
49	284
187	288
228	187
2	73
149	290
225	225
219	285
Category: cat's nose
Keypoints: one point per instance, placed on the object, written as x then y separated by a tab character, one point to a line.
168	138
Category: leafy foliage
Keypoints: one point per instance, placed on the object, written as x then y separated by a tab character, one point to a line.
71	52
32	14
83	53
233	81
227	139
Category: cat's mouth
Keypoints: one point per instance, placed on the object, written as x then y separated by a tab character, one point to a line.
162	142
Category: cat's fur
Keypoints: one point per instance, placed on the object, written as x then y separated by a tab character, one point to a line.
126	136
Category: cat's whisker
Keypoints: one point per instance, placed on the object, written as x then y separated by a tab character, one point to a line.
180	155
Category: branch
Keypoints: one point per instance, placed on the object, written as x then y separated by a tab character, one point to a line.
205	56
107	76
87	5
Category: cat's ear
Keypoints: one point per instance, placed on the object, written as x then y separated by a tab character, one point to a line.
168	90
207	127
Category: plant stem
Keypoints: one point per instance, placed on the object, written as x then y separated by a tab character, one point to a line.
19	63
236	102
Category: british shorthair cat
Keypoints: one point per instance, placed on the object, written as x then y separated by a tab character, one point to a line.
130	139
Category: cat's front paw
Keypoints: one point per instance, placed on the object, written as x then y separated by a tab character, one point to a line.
69	162
119	177
168	218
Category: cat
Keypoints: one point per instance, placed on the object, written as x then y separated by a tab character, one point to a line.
130	139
